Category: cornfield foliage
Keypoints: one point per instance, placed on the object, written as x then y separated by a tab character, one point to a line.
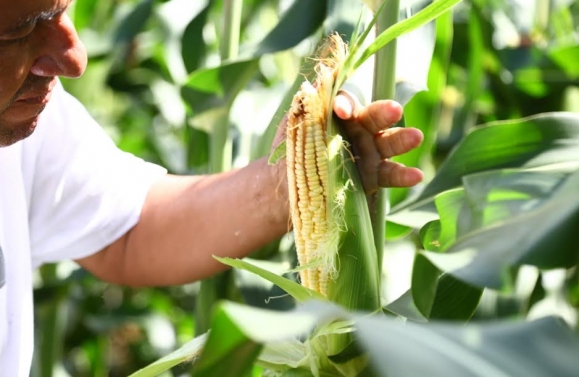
478	272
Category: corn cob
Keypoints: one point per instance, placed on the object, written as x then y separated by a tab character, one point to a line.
315	214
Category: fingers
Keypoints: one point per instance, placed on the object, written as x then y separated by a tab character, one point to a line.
393	174
389	174
374	141
396	141
346	106
379	115
374	118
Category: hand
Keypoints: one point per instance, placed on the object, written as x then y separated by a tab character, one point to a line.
374	142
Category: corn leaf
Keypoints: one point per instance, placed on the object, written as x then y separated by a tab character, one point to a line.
343	17
544	236
278	153
228	351
546	347
358	284
442	296
297	291
134	22
193	46
438	295
487	198
238	334
300	21
187	352
533	142
404	306
424	16
287	355
266	140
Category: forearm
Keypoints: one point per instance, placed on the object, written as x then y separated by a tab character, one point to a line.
187	220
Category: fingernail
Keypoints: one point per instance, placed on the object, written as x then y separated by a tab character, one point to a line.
345	105
395	111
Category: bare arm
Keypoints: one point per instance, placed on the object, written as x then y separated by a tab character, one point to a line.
187	220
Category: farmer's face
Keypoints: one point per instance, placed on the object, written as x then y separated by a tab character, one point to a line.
37	43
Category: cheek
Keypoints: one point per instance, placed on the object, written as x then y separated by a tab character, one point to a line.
14	68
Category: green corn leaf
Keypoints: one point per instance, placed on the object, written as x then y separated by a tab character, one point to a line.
546	347
300	21
238	334
188	352
288	355
358	285
299	292
545	236
278	153
436	294
404	306
534	142
424	16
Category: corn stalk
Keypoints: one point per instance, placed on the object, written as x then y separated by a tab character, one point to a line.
383	88
221	286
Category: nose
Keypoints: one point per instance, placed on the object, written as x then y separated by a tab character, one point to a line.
62	52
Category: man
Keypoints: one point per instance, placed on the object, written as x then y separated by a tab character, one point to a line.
67	192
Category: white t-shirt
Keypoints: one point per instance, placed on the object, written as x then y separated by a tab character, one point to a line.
65	192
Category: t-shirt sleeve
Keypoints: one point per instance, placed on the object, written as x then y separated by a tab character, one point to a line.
84	193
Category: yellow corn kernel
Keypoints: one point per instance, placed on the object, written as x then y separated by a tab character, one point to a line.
307	170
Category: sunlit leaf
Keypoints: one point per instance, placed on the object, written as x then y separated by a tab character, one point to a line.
238	333
394	348
565	57
537	141
342	16
545	237
284	355
188	352
297	291
424	16
438	295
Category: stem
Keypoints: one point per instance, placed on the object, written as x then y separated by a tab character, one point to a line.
383	88
221	152
50	313
221	286
231	28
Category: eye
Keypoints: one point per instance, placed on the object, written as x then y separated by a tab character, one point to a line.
18	37
20	40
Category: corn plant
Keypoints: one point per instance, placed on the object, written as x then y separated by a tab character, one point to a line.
484	232
338	266
337	250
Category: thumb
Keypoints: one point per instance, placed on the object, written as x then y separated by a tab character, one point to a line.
346	105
